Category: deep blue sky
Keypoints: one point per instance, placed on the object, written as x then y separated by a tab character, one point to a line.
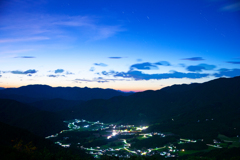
126	45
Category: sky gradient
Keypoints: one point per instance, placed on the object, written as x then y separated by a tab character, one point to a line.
128	45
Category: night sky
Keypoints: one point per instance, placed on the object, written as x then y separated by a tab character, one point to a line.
128	45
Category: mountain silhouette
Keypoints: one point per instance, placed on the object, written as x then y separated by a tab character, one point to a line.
33	93
192	111
177	108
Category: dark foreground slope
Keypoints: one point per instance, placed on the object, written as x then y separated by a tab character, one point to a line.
53	105
213	106
11	110
16	143
41	123
33	93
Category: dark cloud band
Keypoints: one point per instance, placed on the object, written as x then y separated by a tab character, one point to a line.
234	62
115	57
30	71
137	75
227	72
25	57
200	67
59	71
149	66
194	59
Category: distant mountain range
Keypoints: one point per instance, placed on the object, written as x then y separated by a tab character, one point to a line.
33	93
36	115
177	108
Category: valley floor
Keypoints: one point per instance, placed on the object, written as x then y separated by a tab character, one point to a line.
125	141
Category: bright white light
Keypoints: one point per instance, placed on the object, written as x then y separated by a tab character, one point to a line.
114	133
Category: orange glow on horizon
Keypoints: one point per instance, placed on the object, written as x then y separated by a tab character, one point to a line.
123	90
132	90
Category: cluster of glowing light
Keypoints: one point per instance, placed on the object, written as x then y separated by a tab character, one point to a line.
66	145
130	150
63	145
187	140
114	133
126	146
146	134
63	131
144	153
77	120
215	146
73	126
51	136
163	153
128	126
141	128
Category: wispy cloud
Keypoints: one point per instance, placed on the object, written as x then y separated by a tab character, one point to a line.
74	21
144	66
234	62
25	57
15	51
23	39
182	65
55	76
98	80
51	75
138	75
59	71
31	26
200	67
92	69
95	80
163	63
231	7
100	64
69	73
194	59
103	32
228	72
115	57
149	66
108	73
